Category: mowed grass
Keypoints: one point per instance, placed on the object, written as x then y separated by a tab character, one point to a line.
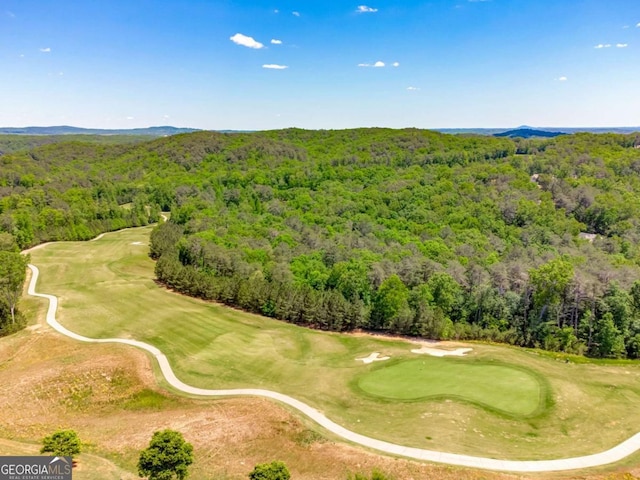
508	390
544	408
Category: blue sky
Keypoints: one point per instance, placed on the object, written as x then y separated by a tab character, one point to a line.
221	64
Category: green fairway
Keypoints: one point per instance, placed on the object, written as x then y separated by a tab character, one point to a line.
497	401
509	390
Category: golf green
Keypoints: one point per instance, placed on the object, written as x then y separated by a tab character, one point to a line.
503	388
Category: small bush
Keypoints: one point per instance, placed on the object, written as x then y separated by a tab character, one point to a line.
270	471
63	443
375	475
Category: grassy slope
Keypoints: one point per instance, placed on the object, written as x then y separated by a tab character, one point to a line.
106	289
89	467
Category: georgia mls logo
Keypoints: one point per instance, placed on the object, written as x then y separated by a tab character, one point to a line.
62	462
35	468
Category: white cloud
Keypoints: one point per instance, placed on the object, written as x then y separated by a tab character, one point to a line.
45	50
166	116
276	11
622	45
413	89
563	79
396	64
365	9
378	64
625	26
273	66
638	24
601	45
295	14
130	118
276	41
249	42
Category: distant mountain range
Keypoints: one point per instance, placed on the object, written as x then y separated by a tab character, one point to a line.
66	130
528	133
536	131
523	131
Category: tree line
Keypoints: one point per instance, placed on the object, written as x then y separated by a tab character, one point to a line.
550	311
13	267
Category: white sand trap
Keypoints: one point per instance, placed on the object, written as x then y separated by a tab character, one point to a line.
438	352
137	243
374	357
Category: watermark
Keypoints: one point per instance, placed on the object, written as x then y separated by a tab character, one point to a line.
35	468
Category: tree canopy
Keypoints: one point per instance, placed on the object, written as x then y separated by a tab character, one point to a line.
167	457
275	470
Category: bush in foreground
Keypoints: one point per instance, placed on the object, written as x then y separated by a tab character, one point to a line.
270	471
62	443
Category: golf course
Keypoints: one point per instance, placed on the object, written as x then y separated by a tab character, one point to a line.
495	401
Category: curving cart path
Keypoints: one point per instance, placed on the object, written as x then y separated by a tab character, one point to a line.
612	455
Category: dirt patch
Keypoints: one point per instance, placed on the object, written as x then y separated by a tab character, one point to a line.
408	339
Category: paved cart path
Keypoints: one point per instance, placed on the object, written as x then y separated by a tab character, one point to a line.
614	454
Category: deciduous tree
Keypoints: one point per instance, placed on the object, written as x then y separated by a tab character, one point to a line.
167	457
12	275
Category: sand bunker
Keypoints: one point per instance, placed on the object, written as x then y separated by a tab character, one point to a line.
374	357
438	352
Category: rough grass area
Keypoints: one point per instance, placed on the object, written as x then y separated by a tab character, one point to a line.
517	392
88	466
106	289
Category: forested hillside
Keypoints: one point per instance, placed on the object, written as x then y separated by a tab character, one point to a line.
17	143
60	190
530	242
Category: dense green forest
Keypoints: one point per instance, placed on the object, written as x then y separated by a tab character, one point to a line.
530	242
16	143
